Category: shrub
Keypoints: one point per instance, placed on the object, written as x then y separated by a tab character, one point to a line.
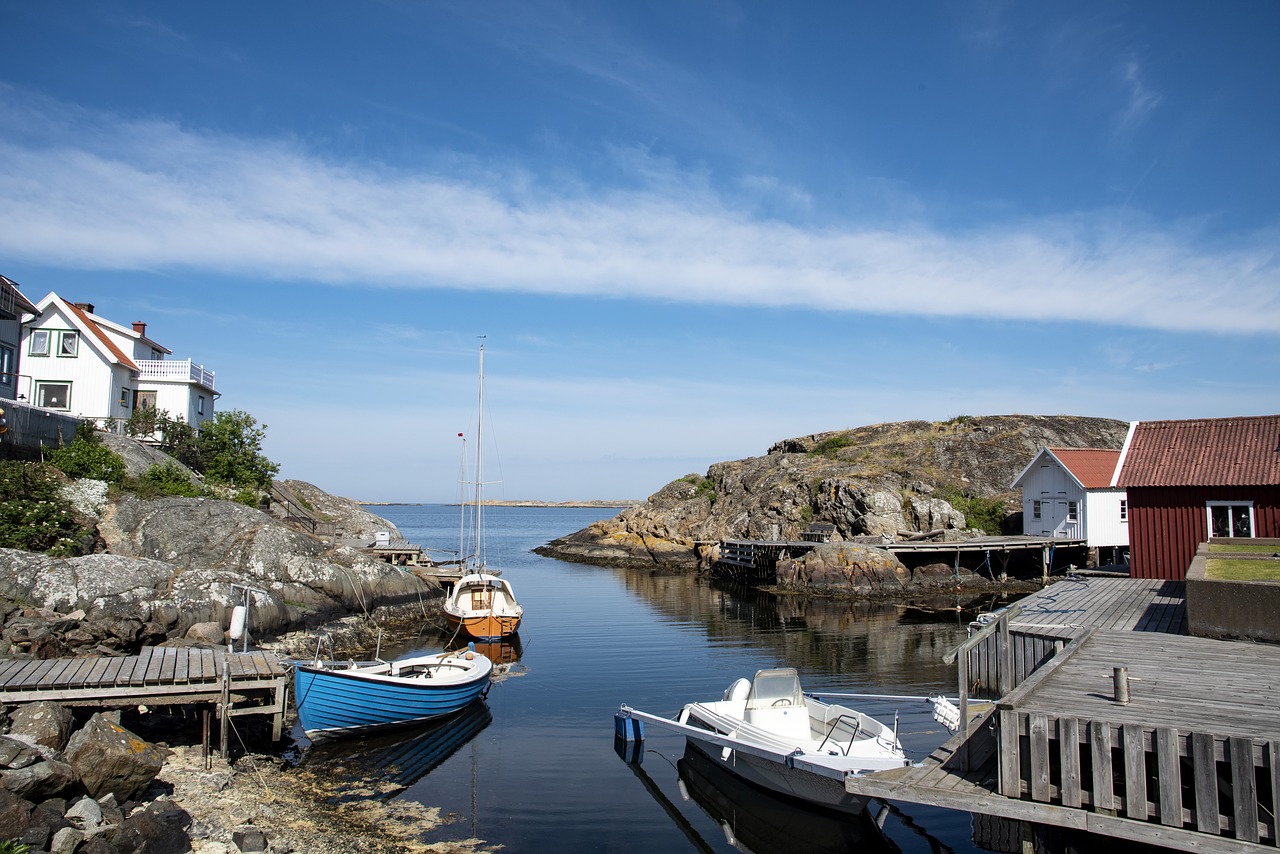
231	451
985	514
33	514
169	479
86	456
830	446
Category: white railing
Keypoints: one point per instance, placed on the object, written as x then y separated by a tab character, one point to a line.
175	369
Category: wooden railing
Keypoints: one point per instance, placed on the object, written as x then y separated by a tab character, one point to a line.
1180	779
183	370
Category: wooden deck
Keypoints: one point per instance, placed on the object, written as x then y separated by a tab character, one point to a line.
1191	761
156	676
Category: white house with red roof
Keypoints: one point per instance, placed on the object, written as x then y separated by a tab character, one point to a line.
1068	492
75	361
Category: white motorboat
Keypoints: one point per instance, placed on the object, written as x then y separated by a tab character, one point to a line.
767	732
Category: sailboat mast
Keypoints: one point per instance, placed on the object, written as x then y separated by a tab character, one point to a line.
480	465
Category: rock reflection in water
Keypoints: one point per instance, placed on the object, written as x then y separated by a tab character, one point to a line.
382	766
871	643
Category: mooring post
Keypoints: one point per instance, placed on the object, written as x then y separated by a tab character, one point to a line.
1120	677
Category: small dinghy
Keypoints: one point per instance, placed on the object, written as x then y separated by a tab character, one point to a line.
767	732
346	698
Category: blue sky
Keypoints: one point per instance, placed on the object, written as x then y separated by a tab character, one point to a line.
686	230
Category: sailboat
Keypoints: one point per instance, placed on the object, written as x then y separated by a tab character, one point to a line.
481	604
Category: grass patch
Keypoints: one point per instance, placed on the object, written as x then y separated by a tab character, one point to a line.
1225	569
1243	548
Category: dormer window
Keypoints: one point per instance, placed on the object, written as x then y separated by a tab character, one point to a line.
69	344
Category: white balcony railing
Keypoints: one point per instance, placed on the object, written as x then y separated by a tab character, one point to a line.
180	370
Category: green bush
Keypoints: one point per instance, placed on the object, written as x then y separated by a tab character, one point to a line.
985	514
231	451
33	515
86	456
13	846
830	446
169	479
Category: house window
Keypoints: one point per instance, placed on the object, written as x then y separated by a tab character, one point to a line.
144	400
1124	510
1035	509
39	345
200	405
6	365
1073	511
1231	519
53	395
124	397
69	344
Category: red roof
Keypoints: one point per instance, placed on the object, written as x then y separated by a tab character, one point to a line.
1204	452
102	337
1093	467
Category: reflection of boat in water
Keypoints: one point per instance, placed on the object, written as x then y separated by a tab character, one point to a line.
762	822
345	698
392	762
769	733
505	651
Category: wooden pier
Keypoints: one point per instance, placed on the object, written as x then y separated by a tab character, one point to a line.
1184	752
247	683
755	561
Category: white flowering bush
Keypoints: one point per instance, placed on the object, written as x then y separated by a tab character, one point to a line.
86	495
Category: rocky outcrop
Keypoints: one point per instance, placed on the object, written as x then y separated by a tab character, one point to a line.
166	564
886	480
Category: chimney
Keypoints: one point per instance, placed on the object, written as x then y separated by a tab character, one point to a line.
140	327
84	306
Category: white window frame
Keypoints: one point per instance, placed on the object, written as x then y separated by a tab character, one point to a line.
1035	508
42	386
1124	510
1246	503
72	338
8	358
1073	511
41	335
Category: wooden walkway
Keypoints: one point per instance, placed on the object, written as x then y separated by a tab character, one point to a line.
1191	761
156	676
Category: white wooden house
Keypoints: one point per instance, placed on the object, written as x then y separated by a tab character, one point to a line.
1067	492
78	362
13	305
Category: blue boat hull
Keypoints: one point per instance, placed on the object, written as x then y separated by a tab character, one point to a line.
341	702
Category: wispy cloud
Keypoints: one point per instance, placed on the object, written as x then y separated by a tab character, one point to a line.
97	192
1140	99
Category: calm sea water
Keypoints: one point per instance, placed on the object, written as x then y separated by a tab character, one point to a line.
536	770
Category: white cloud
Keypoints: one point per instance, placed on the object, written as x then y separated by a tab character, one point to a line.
96	192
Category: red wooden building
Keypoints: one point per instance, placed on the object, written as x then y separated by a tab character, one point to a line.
1188	481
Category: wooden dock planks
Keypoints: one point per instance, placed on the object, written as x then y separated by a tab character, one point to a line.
154	671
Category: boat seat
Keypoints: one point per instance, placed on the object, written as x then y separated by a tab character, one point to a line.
777	704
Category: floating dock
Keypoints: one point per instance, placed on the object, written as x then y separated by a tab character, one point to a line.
1127	728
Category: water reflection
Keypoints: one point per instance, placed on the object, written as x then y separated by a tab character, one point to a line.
506	651
756	821
383	766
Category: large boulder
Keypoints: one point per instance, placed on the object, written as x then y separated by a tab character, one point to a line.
111	760
843	567
44	722
45	779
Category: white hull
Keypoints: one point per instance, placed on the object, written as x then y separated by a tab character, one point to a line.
821	791
769	734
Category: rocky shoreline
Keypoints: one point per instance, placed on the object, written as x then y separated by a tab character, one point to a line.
140	782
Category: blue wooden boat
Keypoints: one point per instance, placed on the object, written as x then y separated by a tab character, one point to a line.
346	698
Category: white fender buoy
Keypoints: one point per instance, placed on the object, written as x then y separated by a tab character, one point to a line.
238	616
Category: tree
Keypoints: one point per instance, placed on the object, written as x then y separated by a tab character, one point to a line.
230	450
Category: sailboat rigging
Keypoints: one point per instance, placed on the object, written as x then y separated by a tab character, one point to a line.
481	604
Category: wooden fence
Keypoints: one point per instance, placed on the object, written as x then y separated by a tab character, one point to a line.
1225	785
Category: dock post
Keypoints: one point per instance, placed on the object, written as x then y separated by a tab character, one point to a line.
224	708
